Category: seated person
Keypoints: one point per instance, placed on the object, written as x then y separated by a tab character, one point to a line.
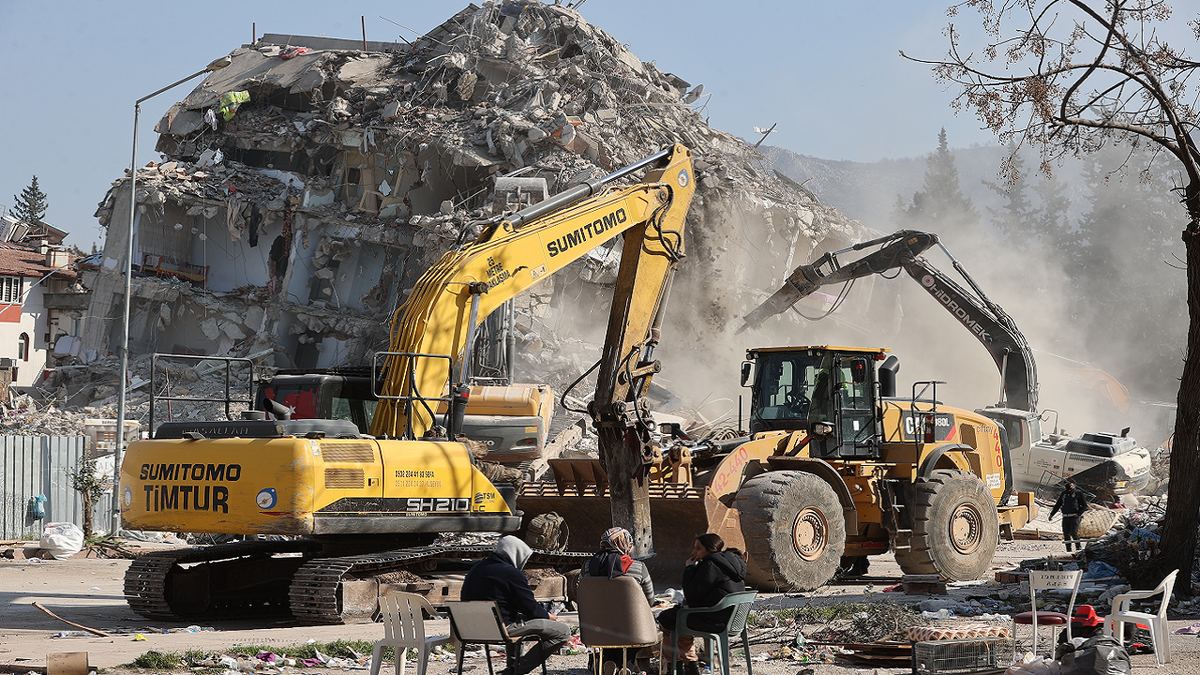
612	561
499	578
711	573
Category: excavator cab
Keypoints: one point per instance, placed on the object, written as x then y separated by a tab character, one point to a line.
830	392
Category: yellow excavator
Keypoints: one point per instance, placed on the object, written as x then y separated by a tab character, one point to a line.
359	513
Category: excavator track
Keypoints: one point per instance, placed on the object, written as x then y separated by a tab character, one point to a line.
157	584
316	596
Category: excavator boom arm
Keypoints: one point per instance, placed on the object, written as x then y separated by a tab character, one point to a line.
994	328
464	286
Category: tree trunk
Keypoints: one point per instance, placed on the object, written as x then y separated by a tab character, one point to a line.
1178	544
87	514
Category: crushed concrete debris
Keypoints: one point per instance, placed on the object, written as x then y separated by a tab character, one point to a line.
298	221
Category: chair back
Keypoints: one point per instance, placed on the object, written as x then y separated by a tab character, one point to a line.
744	602
1042	580
614	613
402	618
477	622
1165	586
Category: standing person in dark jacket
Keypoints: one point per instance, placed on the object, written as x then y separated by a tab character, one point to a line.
711	573
499	578
1072	503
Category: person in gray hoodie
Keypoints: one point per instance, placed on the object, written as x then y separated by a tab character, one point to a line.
499	578
712	573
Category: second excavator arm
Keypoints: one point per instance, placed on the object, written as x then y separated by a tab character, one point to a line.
990	324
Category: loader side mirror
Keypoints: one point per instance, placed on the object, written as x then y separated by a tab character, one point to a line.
858	370
747	370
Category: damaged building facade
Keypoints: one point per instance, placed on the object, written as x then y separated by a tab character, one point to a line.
308	185
42	303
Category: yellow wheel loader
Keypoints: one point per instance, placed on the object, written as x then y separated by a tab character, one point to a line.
837	468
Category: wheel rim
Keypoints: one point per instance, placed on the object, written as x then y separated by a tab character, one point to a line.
810	533
966	529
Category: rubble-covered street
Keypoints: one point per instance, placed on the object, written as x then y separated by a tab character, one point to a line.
87	591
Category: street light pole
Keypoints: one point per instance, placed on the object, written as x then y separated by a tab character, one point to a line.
118	500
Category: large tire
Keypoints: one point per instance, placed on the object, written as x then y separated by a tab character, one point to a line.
794	530
955	527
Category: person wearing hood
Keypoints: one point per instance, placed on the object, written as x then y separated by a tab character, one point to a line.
712	573
499	578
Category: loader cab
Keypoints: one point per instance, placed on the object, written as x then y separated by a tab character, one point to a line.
828	391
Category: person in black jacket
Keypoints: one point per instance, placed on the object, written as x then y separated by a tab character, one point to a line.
499	578
711	573
1072	503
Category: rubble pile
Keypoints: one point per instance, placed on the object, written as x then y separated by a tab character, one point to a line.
296	217
85	393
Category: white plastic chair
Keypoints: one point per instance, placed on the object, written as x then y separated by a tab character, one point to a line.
1048	581
404	628
1160	635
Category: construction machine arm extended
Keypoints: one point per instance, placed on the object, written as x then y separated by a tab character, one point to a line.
994	328
431	332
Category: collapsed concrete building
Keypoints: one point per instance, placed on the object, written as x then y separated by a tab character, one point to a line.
308	185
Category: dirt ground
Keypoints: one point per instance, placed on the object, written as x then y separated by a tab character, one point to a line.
88	592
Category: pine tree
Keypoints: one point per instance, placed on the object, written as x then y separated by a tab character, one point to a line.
1016	220
1050	217
940	205
1123	261
31	204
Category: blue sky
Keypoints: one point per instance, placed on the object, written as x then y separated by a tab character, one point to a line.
827	72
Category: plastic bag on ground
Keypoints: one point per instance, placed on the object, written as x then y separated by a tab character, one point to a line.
1099	655
62	540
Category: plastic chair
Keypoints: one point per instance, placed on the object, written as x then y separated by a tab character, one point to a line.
479	622
736	626
613	613
1046	581
404	628
1159	633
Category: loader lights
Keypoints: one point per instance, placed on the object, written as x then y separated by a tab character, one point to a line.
822	429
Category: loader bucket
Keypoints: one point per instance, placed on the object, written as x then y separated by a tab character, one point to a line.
580	495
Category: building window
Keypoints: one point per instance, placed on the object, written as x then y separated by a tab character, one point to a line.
10	290
23	347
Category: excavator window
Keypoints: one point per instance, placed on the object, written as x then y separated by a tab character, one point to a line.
356	410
